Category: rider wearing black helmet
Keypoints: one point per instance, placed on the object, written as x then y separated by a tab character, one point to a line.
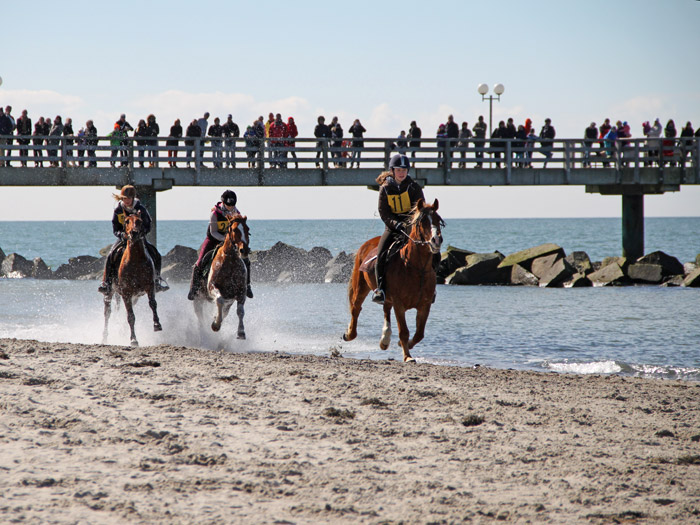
221	215
398	194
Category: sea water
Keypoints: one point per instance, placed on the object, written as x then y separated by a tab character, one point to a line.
645	331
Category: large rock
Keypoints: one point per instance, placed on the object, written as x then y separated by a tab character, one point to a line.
557	274
580	261
520	276
16	266
542	265
689	268
481	268
669	264
2	256
450	260
622	262
285	263
525	257
697	260
40	270
609	275
81	267
177	263
692	280
644	273
339	268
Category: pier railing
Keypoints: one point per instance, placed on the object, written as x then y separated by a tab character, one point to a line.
328	154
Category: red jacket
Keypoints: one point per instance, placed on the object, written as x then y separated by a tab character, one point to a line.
292	132
278	130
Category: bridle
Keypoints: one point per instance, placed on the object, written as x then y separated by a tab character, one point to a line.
422	241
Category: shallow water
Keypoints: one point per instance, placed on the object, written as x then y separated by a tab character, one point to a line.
639	331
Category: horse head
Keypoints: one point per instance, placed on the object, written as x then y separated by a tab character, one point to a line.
426	225
133	226
238	232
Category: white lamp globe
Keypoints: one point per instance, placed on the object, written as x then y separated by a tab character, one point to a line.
499	89
482	89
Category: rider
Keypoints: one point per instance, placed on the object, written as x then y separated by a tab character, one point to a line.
398	193
221	215
128	204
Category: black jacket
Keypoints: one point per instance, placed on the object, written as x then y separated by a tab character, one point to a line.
322	131
396	201
120	213
452	130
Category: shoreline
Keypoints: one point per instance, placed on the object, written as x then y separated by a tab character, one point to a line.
173	434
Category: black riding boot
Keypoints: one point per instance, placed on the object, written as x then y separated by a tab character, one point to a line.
194	282
106	285
378	294
249	290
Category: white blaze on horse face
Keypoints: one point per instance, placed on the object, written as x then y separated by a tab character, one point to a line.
435	240
243	235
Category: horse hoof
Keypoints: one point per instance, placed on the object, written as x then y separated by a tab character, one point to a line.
409	360
157	327
241	335
345	337
215	327
134	343
383	346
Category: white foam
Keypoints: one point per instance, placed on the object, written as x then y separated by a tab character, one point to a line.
594	367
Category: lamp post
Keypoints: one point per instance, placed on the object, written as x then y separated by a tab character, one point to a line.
498	89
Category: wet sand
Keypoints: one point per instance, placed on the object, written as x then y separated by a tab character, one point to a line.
111	434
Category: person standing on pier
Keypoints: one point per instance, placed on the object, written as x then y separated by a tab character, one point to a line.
480	129
129	204
322	132
414	135
357	130
91	143
465	135
193	130
37	141
547	135
216	132
24	131
5	129
231	133
173	142
152	131
590	135
292	133
124	128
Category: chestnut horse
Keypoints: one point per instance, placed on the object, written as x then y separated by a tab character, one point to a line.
134	277
410	279
227	279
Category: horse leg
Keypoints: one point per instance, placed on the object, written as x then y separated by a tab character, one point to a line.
240	310
357	295
154	308
403	334
421	320
386	329
131	318
108	313
219	316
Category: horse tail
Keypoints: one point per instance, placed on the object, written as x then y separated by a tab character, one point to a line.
354	283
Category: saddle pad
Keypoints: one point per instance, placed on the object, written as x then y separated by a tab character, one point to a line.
207	260
370	262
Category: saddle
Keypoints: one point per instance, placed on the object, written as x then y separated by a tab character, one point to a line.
207	260
370	261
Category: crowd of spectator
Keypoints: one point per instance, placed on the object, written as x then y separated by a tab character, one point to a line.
600	143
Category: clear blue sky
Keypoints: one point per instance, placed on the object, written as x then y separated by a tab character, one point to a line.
386	63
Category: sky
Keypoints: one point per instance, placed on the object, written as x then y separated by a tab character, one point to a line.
386	63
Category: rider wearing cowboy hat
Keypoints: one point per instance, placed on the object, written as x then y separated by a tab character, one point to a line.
221	215
128	204
398	194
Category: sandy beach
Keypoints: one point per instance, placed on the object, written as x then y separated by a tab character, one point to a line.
111	434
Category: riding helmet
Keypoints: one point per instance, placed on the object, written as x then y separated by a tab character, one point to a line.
399	161
229	198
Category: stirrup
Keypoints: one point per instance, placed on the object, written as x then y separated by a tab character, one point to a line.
378	296
161	285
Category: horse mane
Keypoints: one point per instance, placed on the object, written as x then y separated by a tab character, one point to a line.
417	215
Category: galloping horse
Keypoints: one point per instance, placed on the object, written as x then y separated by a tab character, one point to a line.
410	279
227	278
134	277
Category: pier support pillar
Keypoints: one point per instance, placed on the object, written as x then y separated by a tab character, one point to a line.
147	196
632	226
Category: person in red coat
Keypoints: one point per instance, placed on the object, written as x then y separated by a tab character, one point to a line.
292	133
278	131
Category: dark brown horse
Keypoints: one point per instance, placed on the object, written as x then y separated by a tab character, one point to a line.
134	277
410	279
226	281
